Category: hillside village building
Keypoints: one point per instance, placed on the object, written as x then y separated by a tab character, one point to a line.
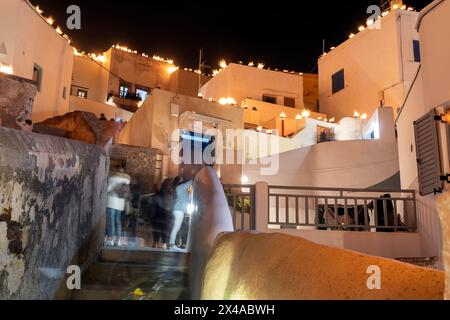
359	151
35	51
374	68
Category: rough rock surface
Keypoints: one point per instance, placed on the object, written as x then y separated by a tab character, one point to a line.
444	213
85	127
52	204
277	266
16	102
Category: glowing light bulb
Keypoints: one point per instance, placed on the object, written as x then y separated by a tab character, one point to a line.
306	113
223	63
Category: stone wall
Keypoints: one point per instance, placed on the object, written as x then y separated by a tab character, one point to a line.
52	204
16	102
144	165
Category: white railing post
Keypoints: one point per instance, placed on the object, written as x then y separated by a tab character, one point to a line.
262	206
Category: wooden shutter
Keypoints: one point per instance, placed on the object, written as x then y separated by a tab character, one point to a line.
429	165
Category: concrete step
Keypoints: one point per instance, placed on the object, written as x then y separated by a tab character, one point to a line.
158	274
131	275
147	257
97	292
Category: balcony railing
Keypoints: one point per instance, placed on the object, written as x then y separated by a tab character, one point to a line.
241	200
342	209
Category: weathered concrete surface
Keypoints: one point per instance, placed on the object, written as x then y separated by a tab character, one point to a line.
52	204
144	165
85	127
444	213
212	218
16	102
277	266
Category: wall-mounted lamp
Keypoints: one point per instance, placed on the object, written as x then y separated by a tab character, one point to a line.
283	116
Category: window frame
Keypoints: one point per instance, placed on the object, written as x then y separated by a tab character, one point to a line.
39	71
269	97
82	91
338	81
122	85
416	51
293	100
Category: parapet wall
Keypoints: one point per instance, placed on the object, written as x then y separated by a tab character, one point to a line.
275	266
16	102
52	204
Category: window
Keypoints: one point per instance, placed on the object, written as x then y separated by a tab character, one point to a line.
426	131
142	94
123	91
289	102
338	81
416	48
82	94
64	93
37	76
270	99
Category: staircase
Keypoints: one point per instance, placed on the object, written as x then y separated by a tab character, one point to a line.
121	274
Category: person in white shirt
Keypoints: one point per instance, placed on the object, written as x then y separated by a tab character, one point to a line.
115	206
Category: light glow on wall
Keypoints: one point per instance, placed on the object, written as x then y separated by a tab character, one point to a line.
306	113
172	69
98	58
6	69
228	100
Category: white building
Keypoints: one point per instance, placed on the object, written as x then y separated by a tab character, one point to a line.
31	48
238	82
423	139
373	68
117	81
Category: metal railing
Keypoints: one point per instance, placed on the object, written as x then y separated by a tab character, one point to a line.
241	200
342	209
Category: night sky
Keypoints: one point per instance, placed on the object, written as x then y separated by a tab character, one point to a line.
279	33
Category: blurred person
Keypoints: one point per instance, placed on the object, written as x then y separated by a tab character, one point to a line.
181	200
116	205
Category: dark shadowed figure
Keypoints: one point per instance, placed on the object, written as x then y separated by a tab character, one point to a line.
379	212
158	212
